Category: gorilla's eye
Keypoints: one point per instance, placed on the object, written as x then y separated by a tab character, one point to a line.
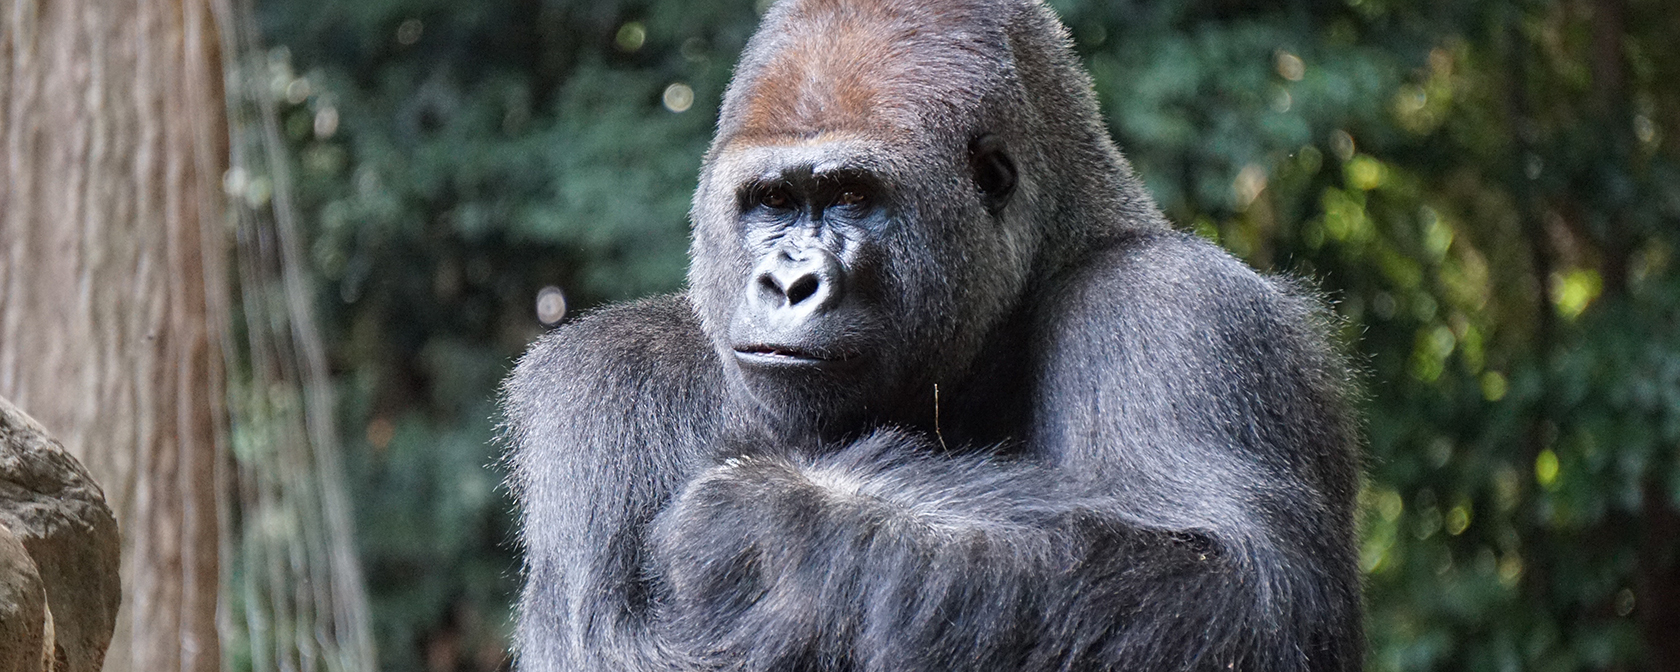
852	196
994	172
775	198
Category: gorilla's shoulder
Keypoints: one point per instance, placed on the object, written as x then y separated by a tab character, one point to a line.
1171	276
644	346
1175	258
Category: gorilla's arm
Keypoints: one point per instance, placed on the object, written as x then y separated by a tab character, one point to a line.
1182	504
606	417
1211	402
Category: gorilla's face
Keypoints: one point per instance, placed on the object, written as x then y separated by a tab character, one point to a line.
859	232
841	277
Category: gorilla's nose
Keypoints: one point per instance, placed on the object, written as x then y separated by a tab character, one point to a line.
800	282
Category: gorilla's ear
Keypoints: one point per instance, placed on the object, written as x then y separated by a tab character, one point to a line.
994	172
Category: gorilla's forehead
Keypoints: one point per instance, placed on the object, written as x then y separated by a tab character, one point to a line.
881	68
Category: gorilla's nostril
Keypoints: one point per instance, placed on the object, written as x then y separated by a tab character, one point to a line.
802	282
802	288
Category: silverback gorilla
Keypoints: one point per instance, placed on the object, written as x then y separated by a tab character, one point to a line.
945	392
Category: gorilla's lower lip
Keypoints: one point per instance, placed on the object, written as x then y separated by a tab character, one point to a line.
782	356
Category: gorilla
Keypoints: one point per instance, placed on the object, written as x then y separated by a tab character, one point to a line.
945	391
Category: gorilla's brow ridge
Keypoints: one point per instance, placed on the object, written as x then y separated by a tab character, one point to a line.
749	165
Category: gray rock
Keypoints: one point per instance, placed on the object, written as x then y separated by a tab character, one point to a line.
25	639
59	514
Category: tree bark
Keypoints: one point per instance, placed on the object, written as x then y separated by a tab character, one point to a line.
112	289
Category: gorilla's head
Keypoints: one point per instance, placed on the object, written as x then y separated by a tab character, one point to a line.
887	183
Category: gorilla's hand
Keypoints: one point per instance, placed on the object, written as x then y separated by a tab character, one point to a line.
746	556
871	543
725	538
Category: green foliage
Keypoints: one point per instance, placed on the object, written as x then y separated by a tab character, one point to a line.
1487	190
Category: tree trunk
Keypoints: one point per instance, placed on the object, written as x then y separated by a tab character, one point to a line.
112	289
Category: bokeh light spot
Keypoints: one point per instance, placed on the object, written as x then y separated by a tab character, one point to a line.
410	30
1390	505
297	91
678	97
631	36
1341	143
1645	129
1546	468
1494	386
1365	173
1574	290
1458	520
1249	184
1624	602
693	50
1289	66
551	306
1510	570
326	122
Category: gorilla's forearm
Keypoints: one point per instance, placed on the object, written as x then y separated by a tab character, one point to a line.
924	563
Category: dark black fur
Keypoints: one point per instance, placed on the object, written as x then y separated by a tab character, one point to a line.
945	394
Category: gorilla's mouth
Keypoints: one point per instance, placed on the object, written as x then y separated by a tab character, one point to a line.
785	355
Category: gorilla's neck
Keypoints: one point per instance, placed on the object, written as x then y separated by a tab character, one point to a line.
987	410
983	410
